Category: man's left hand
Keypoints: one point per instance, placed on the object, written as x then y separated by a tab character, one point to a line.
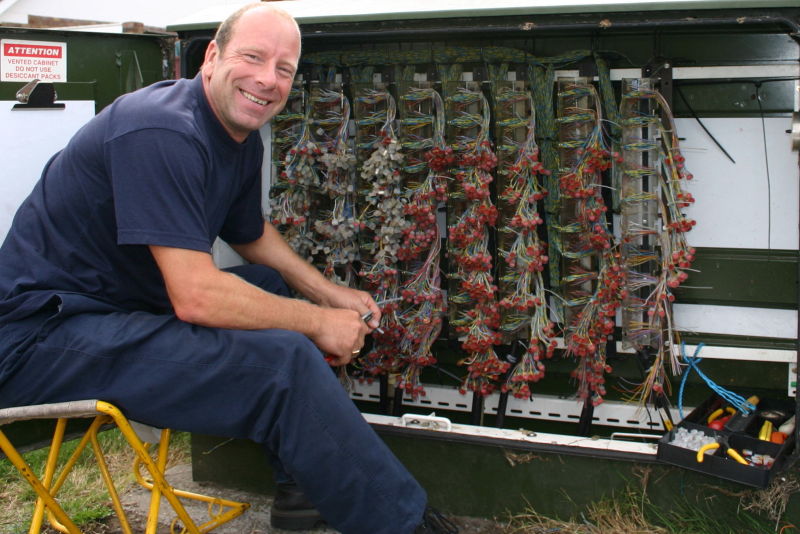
354	299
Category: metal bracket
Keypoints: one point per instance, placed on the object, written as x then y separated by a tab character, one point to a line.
37	95
479	72
24	94
661	70
587	67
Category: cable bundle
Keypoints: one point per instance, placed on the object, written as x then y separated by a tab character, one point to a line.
383	220
654	248
523	301
426	189
592	278
335	227
474	312
293	155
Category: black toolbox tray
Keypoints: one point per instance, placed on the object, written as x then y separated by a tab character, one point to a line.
719	464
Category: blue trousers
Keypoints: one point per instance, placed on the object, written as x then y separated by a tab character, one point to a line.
270	386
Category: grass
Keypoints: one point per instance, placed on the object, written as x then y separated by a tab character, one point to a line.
622	514
84	496
632	512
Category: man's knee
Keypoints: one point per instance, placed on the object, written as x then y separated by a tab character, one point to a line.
303	350
285	348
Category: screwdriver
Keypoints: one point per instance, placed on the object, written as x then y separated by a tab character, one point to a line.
367	316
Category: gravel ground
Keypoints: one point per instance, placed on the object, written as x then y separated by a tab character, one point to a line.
254	521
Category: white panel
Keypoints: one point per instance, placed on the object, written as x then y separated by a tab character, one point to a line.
733	320
29	138
518	437
789	70
717	352
733	201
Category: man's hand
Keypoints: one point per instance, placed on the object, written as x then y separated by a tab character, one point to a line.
352	299
340	334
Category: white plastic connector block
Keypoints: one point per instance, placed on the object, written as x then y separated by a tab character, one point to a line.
430	422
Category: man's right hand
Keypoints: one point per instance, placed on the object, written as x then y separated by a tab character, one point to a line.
340	334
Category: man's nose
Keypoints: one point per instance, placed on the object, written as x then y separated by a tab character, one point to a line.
267	76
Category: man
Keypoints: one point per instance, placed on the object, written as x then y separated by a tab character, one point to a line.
108	289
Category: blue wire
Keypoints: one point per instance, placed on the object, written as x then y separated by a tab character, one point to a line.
737	401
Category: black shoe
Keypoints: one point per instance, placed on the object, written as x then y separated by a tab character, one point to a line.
291	510
433	522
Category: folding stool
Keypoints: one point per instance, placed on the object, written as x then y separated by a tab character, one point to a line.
220	510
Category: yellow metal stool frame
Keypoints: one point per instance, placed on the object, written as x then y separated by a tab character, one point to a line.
220	510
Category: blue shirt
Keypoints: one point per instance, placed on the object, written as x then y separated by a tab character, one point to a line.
155	167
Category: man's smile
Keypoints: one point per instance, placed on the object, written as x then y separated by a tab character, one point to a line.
253	98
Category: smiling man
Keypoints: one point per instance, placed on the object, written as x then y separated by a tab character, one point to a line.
108	289
248	80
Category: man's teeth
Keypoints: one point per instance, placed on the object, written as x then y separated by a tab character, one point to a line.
250	97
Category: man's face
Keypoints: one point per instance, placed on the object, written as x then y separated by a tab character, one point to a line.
249	82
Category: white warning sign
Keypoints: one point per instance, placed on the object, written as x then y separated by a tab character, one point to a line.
21	61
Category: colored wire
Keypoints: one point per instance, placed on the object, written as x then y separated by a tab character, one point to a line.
693	362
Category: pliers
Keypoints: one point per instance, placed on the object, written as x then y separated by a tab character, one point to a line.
367	317
721	442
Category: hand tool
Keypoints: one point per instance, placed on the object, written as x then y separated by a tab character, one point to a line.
721	442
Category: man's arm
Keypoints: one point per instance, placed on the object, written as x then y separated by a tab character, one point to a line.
202	294
272	250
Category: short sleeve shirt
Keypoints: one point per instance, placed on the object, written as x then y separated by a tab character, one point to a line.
155	167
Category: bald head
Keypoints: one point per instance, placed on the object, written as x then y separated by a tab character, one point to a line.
228	26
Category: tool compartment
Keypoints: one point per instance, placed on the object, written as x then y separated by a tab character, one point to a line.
766	458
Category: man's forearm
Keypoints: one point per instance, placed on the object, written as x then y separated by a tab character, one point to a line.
202	294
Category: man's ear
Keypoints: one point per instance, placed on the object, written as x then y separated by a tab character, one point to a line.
210	58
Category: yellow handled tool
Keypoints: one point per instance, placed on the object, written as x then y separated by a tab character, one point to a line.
716	414
729	451
766	431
